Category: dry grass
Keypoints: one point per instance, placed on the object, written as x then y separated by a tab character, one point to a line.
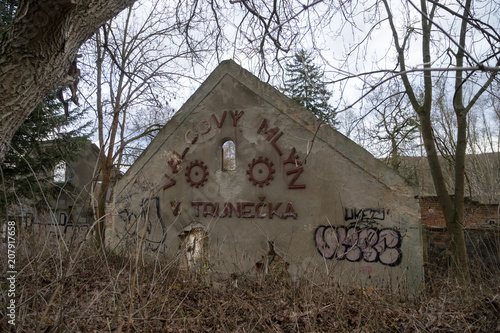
70	290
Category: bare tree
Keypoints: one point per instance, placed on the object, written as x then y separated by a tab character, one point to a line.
455	37
483	174
259	32
481	162
452	205
393	130
136	56
458	43
39	46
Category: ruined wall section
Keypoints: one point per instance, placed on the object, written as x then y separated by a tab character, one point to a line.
338	212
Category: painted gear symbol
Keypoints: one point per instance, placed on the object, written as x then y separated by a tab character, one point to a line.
258	166
196	173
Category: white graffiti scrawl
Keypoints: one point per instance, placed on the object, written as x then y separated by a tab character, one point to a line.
360	239
355	244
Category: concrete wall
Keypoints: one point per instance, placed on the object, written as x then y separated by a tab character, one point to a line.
73	206
316	201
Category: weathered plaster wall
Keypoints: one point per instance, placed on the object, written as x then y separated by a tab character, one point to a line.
328	207
74	207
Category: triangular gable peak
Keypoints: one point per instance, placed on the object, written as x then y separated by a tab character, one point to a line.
340	206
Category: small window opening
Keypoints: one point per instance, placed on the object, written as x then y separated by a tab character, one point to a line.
60	172
228	156
63	218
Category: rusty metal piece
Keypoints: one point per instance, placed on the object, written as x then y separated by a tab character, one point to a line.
273	133
253	170
293	158
297	172
196	173
221	122
176	205
183	153
171	182
175	164
236	115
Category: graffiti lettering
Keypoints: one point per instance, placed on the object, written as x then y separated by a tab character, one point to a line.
354	244
151	215
365	214
246	209
63	218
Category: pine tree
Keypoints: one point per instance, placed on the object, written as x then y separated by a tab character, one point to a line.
7	11
305	85
38	146
44	140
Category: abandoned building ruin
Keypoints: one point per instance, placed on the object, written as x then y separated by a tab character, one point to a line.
241	176
71	212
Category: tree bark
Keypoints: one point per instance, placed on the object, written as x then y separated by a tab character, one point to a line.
454	224
37	50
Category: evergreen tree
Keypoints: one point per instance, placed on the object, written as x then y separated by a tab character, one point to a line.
304	84
7	11
45	140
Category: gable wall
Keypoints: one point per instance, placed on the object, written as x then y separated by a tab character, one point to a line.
339	212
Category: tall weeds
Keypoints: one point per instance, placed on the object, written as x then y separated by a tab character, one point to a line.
66	285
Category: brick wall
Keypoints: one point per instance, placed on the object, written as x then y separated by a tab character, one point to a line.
476	214
482	235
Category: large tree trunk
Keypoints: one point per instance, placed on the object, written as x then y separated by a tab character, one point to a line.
102	196
38	49
455	223
452	209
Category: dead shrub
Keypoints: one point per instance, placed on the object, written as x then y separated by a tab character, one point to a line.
77	288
